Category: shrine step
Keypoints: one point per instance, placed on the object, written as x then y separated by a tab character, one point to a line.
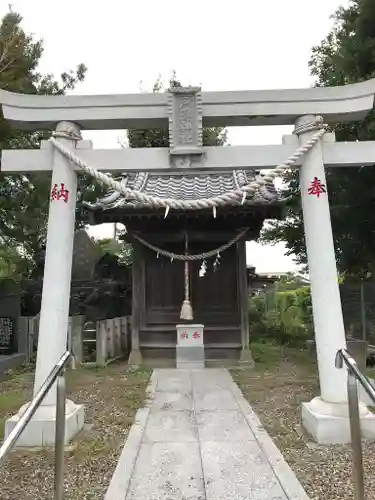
228	353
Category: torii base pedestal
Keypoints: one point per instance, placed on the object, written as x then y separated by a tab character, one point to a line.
328	423
40	431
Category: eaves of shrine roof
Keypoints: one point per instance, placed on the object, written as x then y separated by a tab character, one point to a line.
186	187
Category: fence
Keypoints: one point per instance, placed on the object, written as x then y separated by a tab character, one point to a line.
358	305
107	339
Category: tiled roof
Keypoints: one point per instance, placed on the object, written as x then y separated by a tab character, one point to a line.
188	187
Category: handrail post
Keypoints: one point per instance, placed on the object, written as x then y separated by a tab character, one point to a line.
355	431
60	437
25	418
355	376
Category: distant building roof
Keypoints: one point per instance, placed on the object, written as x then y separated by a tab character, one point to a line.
274	276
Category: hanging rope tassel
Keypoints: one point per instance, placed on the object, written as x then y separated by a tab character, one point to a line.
186	309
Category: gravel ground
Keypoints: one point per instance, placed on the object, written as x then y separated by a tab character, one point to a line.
282	380
111	397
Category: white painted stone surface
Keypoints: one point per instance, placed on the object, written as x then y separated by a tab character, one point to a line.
41	429
328	423
190	346
325	293
53	329
343	154
54	314
325	418
190	334
150	110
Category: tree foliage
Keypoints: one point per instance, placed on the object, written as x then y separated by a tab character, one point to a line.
282	314
345	56
24	199
122	250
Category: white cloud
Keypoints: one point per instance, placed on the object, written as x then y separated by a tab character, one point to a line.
241	44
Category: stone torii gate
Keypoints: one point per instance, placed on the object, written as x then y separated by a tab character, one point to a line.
185	111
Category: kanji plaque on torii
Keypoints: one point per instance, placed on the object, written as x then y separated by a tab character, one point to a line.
185	121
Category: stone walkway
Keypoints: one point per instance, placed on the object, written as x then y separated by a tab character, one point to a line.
198	439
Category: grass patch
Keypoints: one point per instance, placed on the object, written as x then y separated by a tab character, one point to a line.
268	355
90	449
111	396
283	379
11	401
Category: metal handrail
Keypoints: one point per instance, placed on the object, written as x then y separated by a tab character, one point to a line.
57	374
354	375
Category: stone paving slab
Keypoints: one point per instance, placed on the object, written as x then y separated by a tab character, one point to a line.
199	439
219	425
176	426
236	471
214	400
172	401
170	471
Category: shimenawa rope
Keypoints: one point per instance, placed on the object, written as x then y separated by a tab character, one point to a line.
229	198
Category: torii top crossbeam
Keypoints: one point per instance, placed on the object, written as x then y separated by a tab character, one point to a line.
151	110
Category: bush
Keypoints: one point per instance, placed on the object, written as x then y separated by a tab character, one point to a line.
283	316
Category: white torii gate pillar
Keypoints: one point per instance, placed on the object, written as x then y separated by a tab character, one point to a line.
325	417
52	341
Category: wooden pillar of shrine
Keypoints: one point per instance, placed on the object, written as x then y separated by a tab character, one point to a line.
135	357
243	302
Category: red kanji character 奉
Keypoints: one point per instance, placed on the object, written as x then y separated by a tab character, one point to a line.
196	335
184	335
317	188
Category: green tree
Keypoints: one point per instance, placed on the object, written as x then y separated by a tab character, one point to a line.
282	313
345	56
120	249
11	262
24	199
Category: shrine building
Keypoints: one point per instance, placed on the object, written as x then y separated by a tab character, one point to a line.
219	296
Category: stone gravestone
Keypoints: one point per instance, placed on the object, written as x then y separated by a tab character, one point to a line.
10	311
86	254
190	346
